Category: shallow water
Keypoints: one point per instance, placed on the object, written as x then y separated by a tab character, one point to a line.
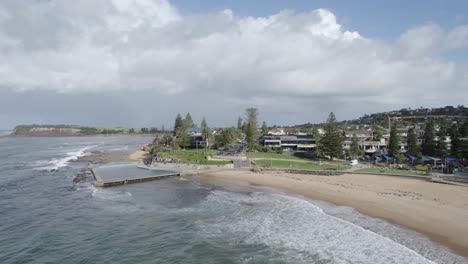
45	218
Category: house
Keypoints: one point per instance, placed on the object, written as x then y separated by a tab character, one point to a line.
369	146
195	136
360	134
292	142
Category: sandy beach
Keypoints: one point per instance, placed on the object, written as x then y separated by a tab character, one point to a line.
139	155
439	211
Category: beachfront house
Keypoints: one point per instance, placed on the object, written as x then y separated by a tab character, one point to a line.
289	142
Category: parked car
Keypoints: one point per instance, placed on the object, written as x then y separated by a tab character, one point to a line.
353	162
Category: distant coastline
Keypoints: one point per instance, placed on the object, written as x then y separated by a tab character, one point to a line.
78	131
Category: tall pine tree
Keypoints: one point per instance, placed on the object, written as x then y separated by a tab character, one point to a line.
456	144
251	133
203	123
179	124
413	148
428	145
464	128
441	144
332	142
205	131
239	123
318	142
394	142
189	121
264	128
354	150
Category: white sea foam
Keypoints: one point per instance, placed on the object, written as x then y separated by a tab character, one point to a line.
296	227
111	195
56	163
117	201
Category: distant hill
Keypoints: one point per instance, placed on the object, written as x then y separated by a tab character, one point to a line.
380	118
63	130
54	130
75	130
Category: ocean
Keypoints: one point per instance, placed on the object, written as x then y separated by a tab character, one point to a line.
47	218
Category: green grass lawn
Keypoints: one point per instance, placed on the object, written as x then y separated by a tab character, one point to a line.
298	165
194	156
391	171
271	155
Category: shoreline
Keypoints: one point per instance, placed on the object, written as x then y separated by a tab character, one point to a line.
437	211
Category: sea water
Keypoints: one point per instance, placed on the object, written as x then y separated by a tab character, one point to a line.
46	218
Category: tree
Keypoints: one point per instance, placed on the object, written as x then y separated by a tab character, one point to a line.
413	148
464	128
294	130
441	144
318	142
239	123
180	131
153	130
226	136
205	130
203	123
179	123
189	121
394	142
264	128
456	144
251	133
378	133
428	145
131	131
163	129
400	158
332	142
354	150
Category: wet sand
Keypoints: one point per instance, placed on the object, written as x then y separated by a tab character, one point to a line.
439	211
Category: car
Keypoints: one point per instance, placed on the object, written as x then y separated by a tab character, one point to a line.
353	162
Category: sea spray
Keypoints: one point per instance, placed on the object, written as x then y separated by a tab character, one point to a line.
56	163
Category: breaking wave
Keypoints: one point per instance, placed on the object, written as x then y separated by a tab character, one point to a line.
57	163
298	230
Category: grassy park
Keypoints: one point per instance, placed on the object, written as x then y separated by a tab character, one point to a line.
298	165
193	156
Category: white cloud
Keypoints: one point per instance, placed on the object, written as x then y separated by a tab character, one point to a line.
93	46
458	37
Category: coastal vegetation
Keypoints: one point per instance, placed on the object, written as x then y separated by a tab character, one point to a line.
191	156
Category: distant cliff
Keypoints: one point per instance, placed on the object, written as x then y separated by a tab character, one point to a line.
54	130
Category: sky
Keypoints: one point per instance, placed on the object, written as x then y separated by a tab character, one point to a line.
137	63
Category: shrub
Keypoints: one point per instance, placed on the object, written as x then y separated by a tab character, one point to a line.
421	167
266	149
